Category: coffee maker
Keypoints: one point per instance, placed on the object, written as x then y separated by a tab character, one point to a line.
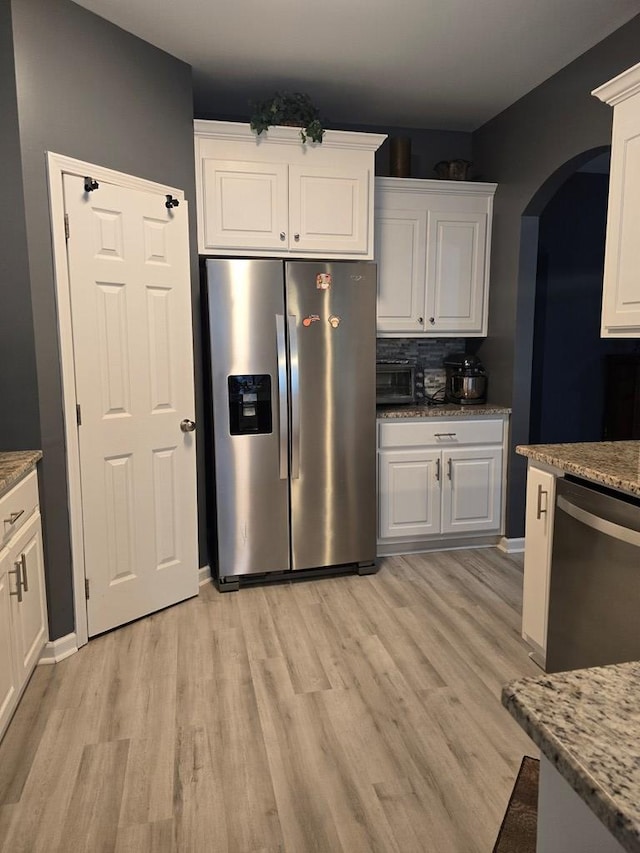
466	380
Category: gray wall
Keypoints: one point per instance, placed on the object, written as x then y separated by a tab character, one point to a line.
525	149
19	421
89	90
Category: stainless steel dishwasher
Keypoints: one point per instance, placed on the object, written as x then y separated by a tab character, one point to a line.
594	588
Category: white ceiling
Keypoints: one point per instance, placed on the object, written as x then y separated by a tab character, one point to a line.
439	64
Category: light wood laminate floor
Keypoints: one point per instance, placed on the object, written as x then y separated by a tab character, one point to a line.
336	716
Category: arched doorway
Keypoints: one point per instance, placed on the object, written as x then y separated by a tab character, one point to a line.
568	354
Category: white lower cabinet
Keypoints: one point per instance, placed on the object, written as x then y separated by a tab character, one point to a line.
410	483
541	498
439	480
8	678
23	610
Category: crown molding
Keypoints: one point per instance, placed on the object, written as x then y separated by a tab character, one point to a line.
623	86
235	131
414	185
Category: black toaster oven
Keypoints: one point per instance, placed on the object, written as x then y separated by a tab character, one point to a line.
395	383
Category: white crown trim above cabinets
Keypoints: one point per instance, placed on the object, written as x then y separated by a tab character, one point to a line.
623	86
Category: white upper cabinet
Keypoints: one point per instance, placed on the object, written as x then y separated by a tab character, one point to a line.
432	246
273	195
621	288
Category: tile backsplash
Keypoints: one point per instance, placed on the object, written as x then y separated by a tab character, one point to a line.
426	354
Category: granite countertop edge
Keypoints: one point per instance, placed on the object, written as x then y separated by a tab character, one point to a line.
14	465
448	410
602	804
554	457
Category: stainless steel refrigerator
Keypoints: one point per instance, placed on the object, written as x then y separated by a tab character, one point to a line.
292	372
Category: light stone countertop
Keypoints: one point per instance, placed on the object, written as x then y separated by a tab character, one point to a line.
14	465
449	410
587	723
612	463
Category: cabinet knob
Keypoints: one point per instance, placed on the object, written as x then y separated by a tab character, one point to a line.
420	320
296	237
432	320
282	235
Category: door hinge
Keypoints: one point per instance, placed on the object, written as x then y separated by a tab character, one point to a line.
87	593
78	414
66	226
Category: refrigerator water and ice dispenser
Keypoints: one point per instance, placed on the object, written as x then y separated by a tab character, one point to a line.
250	404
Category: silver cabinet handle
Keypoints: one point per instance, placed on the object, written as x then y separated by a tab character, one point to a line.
295	396
445	434
13	517
187	425
282	394
17	571
449	468
296	237
539	511
283	235
437	470
23	564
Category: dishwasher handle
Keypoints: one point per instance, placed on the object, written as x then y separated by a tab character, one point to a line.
602	525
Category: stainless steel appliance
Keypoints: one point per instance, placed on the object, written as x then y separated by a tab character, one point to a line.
292	360
466	379
594	588
395	383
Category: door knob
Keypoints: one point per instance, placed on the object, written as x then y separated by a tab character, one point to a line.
187	425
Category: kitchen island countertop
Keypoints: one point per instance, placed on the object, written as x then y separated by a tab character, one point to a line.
14	464
587	724
448	410
612	463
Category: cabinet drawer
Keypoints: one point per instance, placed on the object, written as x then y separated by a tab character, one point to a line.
17	506
440	433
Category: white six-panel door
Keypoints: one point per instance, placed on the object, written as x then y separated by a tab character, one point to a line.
129	278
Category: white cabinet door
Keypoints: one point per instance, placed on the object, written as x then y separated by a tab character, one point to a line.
621	286
409	493
328	209
541	498
8	678
245	205
456	251
30	613
621	296
401	256
471	490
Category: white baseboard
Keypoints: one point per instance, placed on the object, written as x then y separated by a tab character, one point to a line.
204	575
58	650
512	546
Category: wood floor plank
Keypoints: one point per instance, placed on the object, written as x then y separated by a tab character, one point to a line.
307	822
199	813
147	838
91	821
305	669
338	715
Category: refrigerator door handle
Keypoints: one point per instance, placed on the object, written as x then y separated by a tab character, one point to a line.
295	397
282	395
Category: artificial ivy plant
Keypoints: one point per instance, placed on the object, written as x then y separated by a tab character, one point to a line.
288	108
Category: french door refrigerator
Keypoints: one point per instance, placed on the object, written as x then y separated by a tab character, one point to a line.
292	372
